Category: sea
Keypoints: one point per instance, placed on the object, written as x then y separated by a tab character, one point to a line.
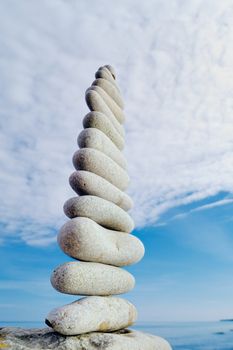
181	335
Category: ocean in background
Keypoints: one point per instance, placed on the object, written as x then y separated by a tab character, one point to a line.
181	335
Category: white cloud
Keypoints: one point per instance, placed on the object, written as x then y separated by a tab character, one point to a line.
174	65
215	204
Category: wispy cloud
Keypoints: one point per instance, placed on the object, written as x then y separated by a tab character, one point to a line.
212	205
174	65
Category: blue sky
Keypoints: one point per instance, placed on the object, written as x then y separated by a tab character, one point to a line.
185	274
174	67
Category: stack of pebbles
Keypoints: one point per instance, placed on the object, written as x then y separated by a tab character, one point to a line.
98	232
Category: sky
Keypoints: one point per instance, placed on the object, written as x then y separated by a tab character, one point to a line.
173	60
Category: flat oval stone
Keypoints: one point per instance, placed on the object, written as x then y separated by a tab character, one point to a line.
92	314
83	239
94	138
88	278
87	183
100	121
111	90
90	159
115	109
101	211
96	103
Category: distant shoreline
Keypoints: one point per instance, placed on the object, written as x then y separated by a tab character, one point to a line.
227	320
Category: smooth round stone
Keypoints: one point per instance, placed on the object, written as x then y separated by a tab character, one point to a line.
92	314
100	121
89	278
94	138
111	90
83	239
101	211
87	183
115	109
96	103
111	70
104	73
97	162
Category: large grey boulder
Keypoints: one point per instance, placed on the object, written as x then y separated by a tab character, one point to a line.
46	339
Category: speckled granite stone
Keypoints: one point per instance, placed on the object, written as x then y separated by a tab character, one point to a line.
87	278
101	211
111	90
87	183
97	162
100	121
83	239
92	314
94	138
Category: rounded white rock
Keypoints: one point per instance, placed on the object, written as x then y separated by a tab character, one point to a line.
83	239
104	73
100	121
96	103
99	210
94	138
87	183
111	90
111	70
97	162
88	278
112	105
92	314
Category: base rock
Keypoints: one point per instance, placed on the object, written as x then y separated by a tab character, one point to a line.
45	339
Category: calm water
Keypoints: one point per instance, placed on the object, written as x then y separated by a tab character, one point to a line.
182	336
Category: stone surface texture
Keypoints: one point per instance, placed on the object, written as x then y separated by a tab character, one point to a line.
88	278
87	183
111	90
111	314
109	101
47	339
94	138
96	103
100	121
83	239
97	162
101	211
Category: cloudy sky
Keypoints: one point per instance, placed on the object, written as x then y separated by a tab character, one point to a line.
174	66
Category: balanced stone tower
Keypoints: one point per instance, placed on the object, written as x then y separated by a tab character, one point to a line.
98	232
